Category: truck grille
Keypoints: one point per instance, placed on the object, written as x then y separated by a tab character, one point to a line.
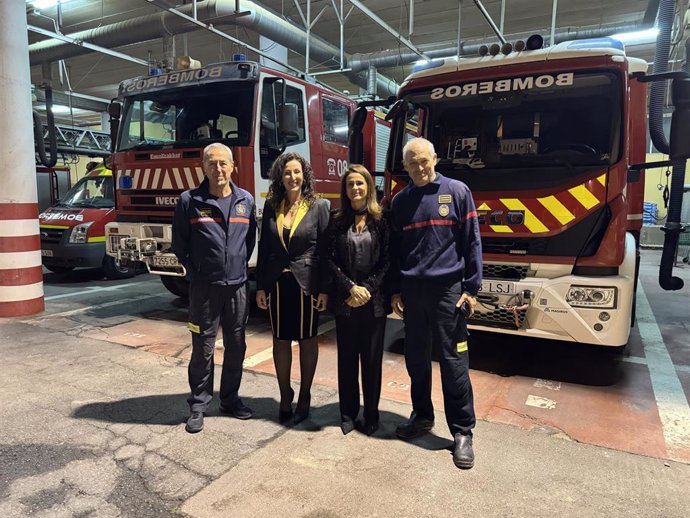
499	318
505	271
52	235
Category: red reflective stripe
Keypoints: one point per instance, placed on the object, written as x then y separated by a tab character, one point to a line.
429	223
205	220
18	308
239	220
469	215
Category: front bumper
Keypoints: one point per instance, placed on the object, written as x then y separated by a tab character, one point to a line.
77	255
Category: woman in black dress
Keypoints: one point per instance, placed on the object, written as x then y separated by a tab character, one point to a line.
291	275
358	261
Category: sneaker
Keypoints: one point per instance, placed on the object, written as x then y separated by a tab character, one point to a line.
195	423
238	411
463	454
414	427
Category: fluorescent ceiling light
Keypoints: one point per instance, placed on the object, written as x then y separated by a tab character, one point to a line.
47	4
638	37
57	108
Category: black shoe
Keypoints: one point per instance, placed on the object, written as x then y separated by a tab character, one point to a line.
300	416
284	416
195	423
414	427
463	454
368	428
346	426
302	410
238	411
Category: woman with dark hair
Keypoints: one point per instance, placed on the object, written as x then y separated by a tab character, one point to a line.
358	261
291	275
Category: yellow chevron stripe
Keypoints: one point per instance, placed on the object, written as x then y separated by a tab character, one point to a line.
602	179
96	239
531	221
586	198
501	228
61	227
557	209
483	206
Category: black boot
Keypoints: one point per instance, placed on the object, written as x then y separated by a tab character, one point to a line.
195	423
463	454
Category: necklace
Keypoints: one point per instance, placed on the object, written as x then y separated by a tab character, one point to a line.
360	212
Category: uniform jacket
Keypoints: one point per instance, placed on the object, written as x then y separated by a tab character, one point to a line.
304	254
436	233
212	249
339	262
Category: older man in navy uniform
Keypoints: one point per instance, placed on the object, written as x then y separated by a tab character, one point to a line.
437	247
214	232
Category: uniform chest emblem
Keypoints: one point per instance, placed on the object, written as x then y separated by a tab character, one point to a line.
240	210
443	210
444	198
206	213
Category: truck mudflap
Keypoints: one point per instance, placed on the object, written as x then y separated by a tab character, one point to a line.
576	308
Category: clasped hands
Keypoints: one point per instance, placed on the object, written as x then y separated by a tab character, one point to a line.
359	296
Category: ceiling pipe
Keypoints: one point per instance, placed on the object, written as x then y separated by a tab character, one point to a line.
395	58
218	12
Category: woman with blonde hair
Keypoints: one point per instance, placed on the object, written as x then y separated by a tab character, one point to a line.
358	240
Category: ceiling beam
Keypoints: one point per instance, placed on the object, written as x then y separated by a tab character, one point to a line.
81	101
86	45
388	28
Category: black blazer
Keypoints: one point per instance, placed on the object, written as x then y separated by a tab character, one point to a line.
339	251
305	254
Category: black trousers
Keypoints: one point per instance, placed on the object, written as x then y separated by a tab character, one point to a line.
360	339
212	306
430	314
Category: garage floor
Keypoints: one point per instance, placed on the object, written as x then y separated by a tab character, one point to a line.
634	401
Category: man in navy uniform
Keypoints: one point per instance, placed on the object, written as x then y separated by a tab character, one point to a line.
437	247
214	232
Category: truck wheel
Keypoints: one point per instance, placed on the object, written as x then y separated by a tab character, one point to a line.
114	270
59	269
176	285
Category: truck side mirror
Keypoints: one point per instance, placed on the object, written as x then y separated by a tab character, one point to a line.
355	139
115	110
287	120
680	120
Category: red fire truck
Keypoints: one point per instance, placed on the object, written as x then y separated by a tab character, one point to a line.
165	122
544	138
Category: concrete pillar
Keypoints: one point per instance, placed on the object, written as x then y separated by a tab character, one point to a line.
21	278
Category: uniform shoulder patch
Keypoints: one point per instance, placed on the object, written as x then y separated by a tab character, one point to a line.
240	209
206	213
445	198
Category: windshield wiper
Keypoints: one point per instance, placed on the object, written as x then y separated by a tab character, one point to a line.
142	144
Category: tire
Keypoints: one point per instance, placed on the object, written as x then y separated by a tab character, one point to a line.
114	270
59	269
176	285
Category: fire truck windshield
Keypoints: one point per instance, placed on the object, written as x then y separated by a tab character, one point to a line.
90	192
188	117
545	120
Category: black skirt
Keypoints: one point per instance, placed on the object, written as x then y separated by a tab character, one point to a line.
292	312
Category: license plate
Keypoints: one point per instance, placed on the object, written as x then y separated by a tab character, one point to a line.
165	260
47	253
497	287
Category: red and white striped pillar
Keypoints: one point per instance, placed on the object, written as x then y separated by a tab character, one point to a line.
21	279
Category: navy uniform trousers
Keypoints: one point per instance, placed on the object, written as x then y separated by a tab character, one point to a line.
212	306
430	316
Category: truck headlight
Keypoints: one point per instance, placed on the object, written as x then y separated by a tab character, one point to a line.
589	297
79	232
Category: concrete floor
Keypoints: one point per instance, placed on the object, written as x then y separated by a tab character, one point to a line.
91	428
